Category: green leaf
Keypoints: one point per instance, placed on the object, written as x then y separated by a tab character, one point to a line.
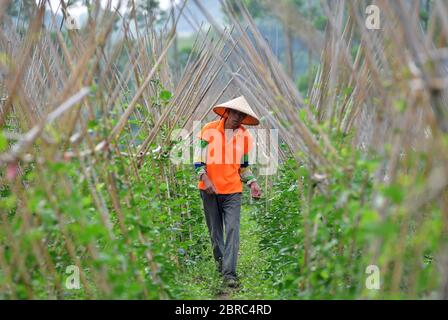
92	124
3	142
394	193
369	216
400	105
324	274
347	91
8	202
165	95
302	114
93	89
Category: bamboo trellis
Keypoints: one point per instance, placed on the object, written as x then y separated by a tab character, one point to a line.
57	85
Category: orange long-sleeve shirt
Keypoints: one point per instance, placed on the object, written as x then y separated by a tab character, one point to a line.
224	160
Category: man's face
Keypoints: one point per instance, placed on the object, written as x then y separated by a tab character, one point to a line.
235	118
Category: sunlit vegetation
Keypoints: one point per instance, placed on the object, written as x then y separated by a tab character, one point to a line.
89	119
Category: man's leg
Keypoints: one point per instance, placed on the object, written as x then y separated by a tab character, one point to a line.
231	206
213	217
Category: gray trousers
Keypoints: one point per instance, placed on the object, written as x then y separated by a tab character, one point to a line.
223	210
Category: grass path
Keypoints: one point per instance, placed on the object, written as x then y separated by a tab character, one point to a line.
201	280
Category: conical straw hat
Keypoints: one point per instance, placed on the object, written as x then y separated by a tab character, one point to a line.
239	104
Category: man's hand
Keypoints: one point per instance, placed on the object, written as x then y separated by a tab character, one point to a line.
255	190
209	187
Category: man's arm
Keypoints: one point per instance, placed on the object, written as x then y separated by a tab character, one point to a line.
200	154
245	172
248	177
200	157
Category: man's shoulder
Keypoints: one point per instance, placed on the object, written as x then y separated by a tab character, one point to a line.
206	130
211	125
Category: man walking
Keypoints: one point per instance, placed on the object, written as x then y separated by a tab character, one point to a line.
222	164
